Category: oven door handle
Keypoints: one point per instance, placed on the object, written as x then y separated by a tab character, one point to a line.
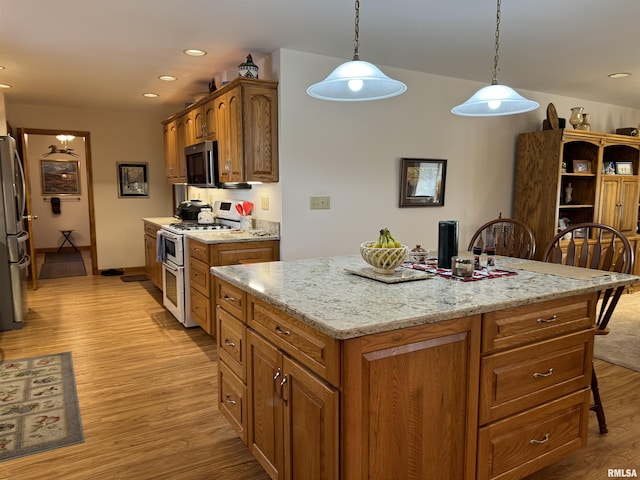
171	267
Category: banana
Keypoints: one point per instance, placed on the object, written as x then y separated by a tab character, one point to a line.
386	240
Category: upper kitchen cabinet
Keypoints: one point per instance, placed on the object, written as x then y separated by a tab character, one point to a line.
247	122
243	117
173	135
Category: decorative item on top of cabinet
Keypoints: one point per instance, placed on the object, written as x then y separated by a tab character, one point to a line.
243	117
597	195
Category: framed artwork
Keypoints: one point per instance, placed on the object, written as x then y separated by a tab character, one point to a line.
422	182
624	168
132	180
60	177
581	166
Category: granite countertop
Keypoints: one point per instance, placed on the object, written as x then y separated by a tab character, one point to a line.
160	221
321	293
227	236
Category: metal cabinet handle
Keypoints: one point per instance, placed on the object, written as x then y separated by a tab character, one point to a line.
229	343
275	377
541	375
547	320
227	398
229	299
545	439
282	390
282	332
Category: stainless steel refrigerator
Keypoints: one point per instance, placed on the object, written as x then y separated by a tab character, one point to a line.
14	260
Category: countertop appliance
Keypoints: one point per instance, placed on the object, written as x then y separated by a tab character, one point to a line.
14	260
189	209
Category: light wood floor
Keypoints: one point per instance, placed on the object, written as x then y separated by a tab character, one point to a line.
147	391
146	385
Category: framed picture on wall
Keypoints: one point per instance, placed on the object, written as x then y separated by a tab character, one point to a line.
422	182
132	180
60	177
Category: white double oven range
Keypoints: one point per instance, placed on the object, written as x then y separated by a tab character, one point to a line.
172	248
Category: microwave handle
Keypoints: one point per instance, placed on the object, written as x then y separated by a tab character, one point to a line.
210	169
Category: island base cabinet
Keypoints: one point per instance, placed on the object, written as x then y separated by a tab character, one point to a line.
404	417
293	416
520	445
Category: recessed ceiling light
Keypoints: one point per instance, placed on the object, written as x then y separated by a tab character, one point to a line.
150	95
619	75
167	78
4	85
2	68
194	52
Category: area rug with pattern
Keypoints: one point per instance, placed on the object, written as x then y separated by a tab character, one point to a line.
38	405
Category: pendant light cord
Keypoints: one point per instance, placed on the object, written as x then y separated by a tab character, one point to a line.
494	79
356	42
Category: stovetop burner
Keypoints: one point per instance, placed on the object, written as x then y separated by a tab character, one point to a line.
200	227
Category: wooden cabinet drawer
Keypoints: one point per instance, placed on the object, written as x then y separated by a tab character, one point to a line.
232	340
232	400
530	323
251	252
231	299
313	349
150	229
513	448
199	250
199	276
521	378
201	310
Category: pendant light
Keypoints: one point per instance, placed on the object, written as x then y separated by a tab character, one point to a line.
495	99
357	80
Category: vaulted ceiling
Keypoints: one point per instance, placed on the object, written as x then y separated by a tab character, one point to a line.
106	53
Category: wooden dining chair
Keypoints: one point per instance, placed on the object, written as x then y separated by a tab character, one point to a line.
598	246
510	237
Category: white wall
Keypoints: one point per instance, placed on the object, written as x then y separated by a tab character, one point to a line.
351	152
115	137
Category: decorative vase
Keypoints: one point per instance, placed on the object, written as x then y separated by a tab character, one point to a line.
248	69
576	116
585	125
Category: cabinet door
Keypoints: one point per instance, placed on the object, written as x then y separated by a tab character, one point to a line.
265	425
209	118
235	166
628	204
222	125
198	123
180	173
609	201
260	133
311	445
170	148
190	128
396	379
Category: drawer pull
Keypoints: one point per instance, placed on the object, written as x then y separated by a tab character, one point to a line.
542	375
229	343
547	320
545	439
283	332
227	398
229	299
275	377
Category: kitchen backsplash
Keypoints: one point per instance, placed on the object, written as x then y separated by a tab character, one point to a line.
266	225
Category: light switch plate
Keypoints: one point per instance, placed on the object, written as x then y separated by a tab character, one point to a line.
319	203
264	203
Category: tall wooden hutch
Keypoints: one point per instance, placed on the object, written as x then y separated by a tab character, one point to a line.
580	177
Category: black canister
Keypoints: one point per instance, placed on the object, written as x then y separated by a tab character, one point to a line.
447	242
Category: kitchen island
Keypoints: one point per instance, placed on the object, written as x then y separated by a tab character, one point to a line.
327	374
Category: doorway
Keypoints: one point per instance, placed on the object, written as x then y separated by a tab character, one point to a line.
58	171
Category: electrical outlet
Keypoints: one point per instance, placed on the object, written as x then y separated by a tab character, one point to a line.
319	203
264	203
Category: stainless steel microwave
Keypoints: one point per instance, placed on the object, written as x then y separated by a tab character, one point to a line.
202	169
201	162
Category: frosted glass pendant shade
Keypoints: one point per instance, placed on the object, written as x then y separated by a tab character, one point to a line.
495	100
356	81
